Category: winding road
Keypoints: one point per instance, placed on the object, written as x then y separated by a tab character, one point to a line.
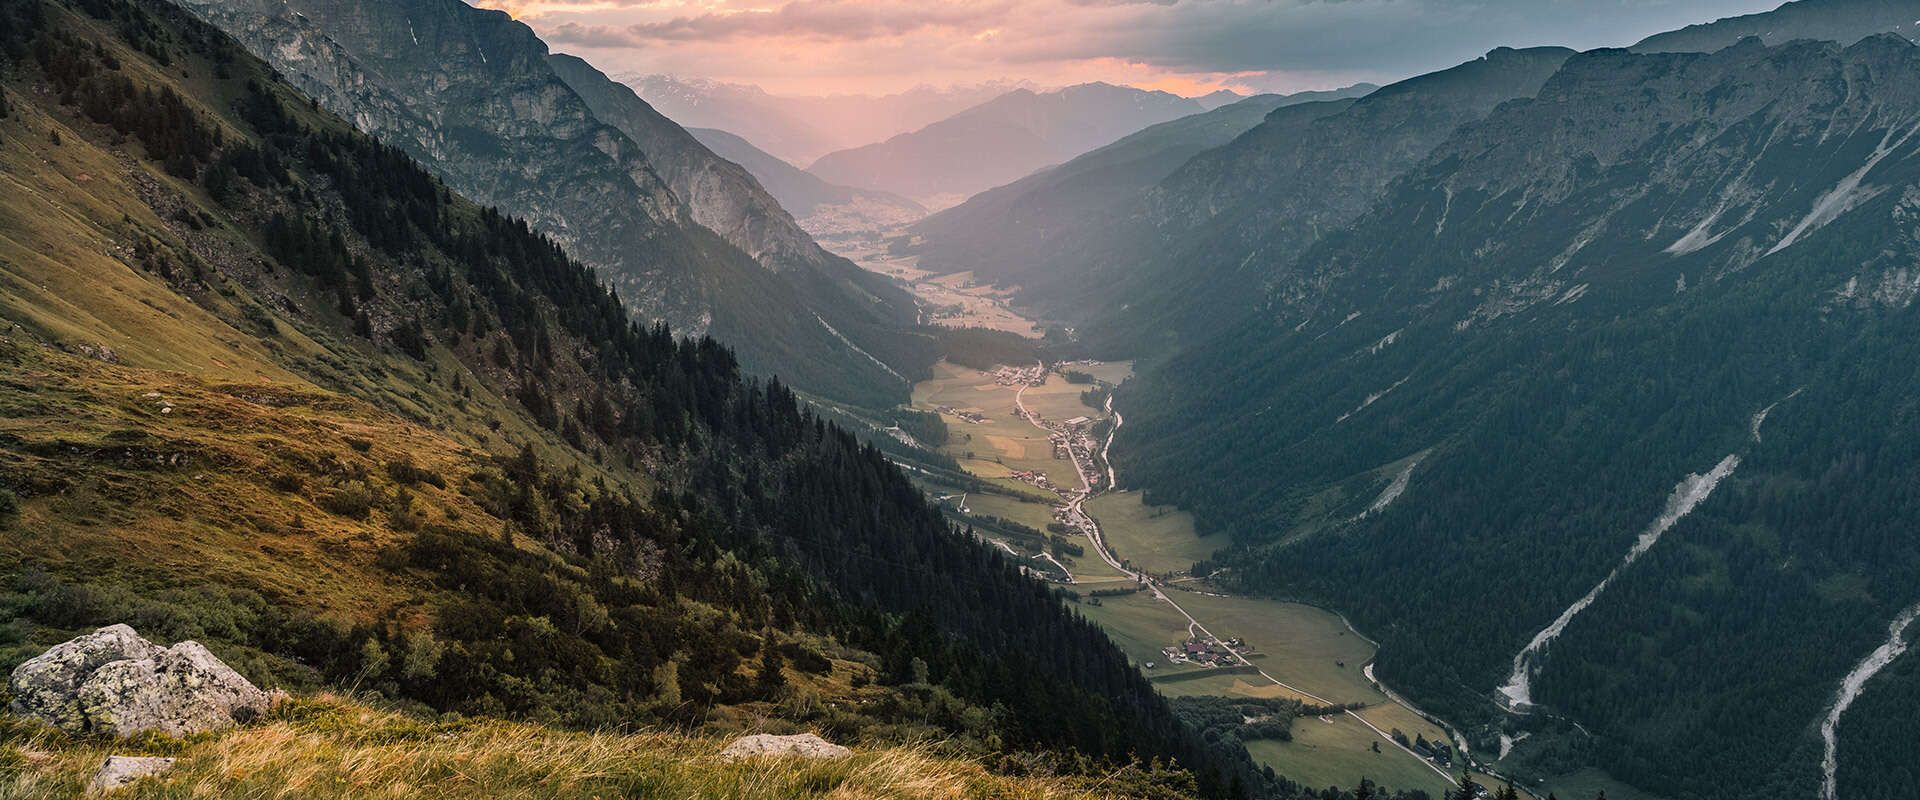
1077	513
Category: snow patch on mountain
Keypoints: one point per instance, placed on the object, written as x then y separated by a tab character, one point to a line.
856	348
1850	688
1846	195
1692	490
1371	399
1571	295
1507	742
1394	489
1701	236
1892	288
1760	417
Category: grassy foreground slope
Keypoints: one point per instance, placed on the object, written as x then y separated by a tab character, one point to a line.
329	747
267	385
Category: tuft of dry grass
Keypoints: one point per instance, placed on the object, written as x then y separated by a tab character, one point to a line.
331	747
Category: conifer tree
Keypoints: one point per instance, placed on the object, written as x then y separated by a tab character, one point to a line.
1468	789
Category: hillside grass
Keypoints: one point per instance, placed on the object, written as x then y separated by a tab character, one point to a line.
328	746
1338	751
162	480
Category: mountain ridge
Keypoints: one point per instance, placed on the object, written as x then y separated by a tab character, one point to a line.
801	129
1000	233
509	130
1000	140
816	203
1843	21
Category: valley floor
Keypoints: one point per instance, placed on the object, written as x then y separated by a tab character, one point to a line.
1132	578
953	300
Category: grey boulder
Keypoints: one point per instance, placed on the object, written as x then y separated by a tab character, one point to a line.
46	686
119	771
805	745
113	681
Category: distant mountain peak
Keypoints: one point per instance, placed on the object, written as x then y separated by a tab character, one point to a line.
1001	140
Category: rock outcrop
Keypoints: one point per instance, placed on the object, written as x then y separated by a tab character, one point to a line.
114	681
805	745
118	771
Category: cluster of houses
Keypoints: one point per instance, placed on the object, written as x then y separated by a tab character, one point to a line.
1074	521
1205	651
1020	376
1034	478
1073	441
1440	753
974	417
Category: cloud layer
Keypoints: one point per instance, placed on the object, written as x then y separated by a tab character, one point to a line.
829	46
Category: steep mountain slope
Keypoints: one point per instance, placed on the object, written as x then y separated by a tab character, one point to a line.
1008	232
471	93
1234	214
726	198
800	129
266	383
1600	419
722	195
824	209
1843	21
1000	141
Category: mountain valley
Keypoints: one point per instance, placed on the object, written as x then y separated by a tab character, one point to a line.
1541	426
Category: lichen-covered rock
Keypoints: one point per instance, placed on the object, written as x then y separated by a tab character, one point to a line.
113	681
118	771
805	745
46	686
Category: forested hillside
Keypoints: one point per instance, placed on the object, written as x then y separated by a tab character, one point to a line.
1601	420
266	383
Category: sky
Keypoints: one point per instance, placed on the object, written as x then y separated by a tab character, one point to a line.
820	47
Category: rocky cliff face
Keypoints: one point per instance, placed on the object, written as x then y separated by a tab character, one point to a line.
720	194
684	236
465	91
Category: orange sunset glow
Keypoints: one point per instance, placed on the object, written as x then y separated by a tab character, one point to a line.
823	47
